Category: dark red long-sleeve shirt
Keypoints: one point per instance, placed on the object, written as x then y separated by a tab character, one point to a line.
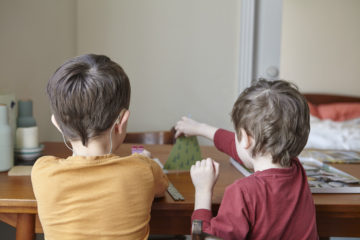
271	204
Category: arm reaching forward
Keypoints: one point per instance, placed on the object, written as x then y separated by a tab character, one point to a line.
190	127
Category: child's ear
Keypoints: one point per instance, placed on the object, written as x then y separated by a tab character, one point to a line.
121	123
246	140
54	122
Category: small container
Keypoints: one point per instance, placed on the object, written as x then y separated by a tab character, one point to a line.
9	100
27	137
25	114
6	141
140	149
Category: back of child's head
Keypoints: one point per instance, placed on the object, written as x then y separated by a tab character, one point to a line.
276	116
87	94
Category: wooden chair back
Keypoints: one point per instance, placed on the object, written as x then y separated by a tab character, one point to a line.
154	137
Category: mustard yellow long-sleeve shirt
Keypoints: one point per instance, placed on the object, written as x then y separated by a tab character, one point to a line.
105	197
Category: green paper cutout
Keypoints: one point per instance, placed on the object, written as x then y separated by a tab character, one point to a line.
185	152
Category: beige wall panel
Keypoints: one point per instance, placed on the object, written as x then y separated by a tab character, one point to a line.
181	56
320	45
36	37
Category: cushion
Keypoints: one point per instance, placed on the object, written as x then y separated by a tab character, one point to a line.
335	111
314	110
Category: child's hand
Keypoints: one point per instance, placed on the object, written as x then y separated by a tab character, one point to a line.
187	126
146	153
190	127
204	174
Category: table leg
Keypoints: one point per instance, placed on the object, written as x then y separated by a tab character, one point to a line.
25	226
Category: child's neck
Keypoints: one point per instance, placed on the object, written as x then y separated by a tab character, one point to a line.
96	147
262	163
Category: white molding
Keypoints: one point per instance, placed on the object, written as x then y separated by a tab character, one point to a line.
246	43
268	39
260	41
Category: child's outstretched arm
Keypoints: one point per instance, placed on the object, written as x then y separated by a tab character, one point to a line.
204	175
190	127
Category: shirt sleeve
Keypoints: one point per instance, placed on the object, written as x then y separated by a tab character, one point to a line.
161	181
225	142
232	221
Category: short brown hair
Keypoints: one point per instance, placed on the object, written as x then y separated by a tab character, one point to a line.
87	94
276	115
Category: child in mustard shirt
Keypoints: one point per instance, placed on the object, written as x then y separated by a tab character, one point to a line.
94	194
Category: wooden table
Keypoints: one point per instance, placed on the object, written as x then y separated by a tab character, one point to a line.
337	214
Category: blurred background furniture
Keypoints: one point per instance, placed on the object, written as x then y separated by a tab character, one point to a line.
153	137
322	98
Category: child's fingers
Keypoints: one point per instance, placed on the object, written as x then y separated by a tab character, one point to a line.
179	129
203	163
198	163
192	169
146	153
177	134
216	168
209	162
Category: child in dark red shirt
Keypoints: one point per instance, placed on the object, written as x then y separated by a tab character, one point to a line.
271	120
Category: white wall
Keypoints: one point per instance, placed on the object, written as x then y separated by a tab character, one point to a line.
36	37
181	56
321	45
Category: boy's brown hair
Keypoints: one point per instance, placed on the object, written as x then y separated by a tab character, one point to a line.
277	116
87	94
